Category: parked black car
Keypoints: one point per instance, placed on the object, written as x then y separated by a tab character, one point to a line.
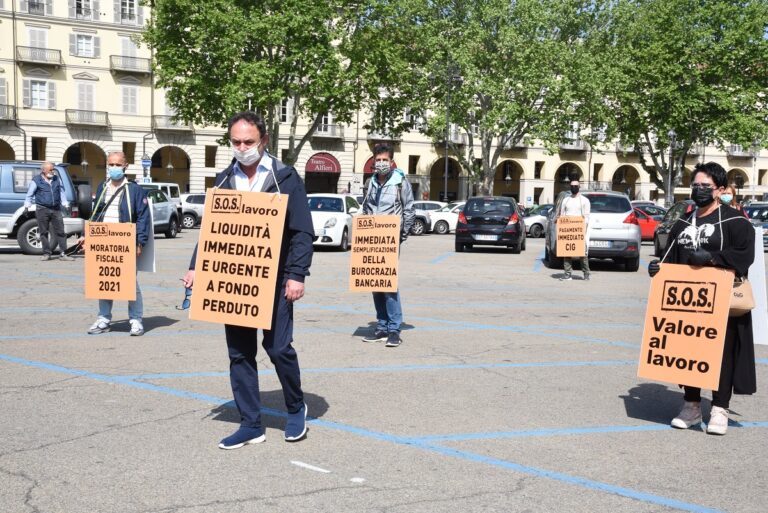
661	234
490	221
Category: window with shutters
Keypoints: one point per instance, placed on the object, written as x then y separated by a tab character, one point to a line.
286	109
85	96
3	89
38	94
38	37
128	11
84	45
83	9
130	96
41	7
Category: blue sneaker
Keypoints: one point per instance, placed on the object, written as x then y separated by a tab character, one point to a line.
243	436
296	425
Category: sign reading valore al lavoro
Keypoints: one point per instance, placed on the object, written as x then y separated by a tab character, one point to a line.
237	258
685	325
375	250
110	261
570	236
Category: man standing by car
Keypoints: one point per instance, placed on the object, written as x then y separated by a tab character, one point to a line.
253	169
48	193
121	201
389	193
576	205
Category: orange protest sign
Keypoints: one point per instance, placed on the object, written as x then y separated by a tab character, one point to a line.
237	258
685	325
110	261
570	236
375	252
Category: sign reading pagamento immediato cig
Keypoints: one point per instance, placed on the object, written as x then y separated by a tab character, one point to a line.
110	261
375	254
570	237
685	325
237	258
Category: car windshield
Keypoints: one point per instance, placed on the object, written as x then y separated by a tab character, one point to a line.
325	204
757	213
448	207
541	210
488	206
608	204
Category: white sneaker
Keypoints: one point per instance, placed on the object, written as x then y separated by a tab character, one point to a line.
100	326
689	416
566	277
718	421
137	329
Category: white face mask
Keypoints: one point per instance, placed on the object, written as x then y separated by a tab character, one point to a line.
248	157
381	168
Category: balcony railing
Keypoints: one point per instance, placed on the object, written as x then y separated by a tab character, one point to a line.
36	8
625	148
573	145
170	124
38	55
515	144
735	150
696	149
329	132
383	136
7	113
86	117
84	13
129	64
128	18
456	137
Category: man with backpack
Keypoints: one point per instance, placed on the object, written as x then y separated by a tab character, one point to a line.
388	193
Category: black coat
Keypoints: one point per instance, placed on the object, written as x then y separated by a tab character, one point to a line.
737	254
298	234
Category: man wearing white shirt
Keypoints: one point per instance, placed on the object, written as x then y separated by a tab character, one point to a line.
576	205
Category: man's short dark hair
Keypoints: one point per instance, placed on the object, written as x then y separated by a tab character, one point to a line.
249	117
573	177
713	170
384	148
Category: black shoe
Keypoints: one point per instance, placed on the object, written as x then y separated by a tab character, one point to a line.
379	336
393	339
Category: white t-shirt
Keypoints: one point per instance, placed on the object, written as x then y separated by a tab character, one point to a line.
575	206
112	214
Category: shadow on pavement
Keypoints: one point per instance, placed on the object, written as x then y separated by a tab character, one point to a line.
652	402
317	406
368	330
150	323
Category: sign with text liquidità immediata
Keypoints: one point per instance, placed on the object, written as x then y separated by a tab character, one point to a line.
237	258
375	252
685	325
570	237
110	261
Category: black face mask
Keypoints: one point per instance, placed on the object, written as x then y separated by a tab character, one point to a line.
702	197
574	189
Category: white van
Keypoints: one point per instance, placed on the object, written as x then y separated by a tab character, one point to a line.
170	189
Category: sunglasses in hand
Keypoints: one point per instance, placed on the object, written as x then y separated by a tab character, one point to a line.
187	296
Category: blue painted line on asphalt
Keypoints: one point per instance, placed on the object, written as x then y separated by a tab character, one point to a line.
407	441
539	263
762	360
394	368
440	258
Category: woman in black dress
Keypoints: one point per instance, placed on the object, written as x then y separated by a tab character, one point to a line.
713	234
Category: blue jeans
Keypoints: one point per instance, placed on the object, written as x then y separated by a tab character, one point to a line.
135	308
389	313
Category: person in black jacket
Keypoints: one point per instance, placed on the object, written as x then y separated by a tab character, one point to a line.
716	235
119	200
253	169
48	192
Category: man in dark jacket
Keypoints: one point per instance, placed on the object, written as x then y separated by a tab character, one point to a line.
48	192
253	169
121	201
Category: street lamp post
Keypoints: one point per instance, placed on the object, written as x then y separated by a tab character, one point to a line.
447	130
669	196
755	154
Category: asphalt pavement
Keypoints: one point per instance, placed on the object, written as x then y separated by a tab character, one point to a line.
512	392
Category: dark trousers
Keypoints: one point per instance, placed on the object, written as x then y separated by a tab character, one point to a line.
722	396
243	374
47	218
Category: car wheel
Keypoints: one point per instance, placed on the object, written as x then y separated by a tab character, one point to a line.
459	247
173	229
522	246
28	237
632	264
537	231
441	228
188	221
344	244
517	248
418	227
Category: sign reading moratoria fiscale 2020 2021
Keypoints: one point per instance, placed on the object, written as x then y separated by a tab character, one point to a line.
237	258
110	261
685	325
375	252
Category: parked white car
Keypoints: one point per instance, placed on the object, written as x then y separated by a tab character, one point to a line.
332	218
444	220
536	220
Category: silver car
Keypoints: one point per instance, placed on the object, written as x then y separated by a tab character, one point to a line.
192	208
613	230
536	220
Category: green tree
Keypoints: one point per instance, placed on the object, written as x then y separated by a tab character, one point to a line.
697	68
213	57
